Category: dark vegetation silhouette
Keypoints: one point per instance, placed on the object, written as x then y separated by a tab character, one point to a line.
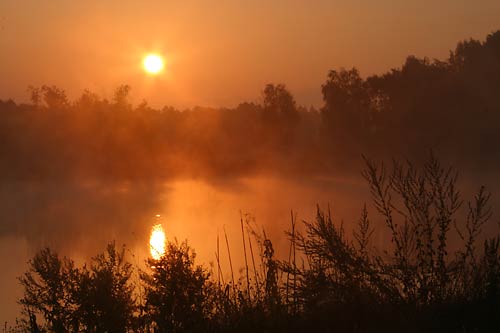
178	297
97	298
450	106
421	282
330	282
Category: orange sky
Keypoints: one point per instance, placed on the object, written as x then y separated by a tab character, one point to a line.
220	53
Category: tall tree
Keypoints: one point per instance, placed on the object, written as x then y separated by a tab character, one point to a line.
346	100
279	103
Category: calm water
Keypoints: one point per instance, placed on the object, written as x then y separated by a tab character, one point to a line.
78	219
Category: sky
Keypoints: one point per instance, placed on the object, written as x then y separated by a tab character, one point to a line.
220	53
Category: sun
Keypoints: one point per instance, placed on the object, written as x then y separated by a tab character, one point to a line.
153	63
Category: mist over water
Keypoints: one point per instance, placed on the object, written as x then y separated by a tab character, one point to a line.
79	219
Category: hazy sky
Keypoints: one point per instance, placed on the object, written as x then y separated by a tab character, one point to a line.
222	52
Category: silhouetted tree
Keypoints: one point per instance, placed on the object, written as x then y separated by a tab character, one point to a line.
88	101
176	292
47	290
121	96
346	101
280	116
279	103
99	299
54	97
35	95
105	295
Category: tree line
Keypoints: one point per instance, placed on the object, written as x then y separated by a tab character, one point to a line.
451	106
331	281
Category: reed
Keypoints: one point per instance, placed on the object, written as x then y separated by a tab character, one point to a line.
245	254
230	260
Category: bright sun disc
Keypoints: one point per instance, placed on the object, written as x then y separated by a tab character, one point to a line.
157	242
153	63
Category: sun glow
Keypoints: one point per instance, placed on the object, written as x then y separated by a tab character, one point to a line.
157	242
153	63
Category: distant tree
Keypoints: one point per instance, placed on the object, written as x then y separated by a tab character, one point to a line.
176	293
279	103
35	95
54	97
121	96
88	100
346	101
280	115
493	43
466	54
346	114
